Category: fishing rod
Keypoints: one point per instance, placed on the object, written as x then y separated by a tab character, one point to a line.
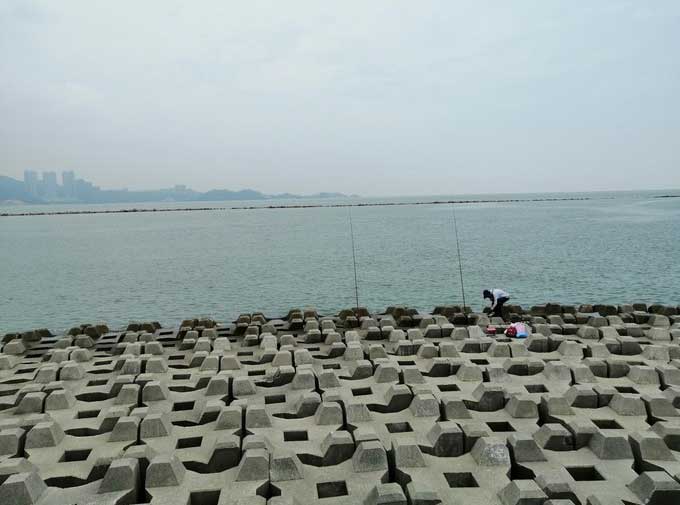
460	263
354	257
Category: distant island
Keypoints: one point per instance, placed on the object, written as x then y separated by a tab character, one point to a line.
35	190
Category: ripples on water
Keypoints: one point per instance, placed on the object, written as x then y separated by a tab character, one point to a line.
58	271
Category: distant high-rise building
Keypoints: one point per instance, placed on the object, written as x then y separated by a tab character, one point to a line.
50	185
68	180
31	182
85	190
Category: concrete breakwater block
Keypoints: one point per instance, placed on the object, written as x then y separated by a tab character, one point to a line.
396	407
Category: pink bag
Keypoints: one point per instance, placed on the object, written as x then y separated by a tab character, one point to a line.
521	330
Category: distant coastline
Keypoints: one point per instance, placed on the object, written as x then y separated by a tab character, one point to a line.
34	191
291	206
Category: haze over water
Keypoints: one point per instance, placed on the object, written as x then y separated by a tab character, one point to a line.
60	271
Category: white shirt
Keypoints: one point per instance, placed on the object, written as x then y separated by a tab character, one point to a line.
499	293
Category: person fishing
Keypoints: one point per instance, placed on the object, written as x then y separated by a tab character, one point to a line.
498	297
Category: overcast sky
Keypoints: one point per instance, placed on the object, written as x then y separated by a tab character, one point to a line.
370	97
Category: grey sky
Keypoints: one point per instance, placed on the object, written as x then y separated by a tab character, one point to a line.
372	97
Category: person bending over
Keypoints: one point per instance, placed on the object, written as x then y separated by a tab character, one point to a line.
498	297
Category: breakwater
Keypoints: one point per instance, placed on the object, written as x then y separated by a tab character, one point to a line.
401	406
287	206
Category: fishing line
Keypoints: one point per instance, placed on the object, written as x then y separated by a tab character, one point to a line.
354	258
460	263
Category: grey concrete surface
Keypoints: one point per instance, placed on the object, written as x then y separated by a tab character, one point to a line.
398	407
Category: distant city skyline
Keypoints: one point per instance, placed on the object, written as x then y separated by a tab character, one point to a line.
43	187
377	98
47	188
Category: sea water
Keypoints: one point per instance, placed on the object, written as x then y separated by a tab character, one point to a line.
60	271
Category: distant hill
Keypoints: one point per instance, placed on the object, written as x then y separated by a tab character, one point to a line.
15	191
218	195
315	196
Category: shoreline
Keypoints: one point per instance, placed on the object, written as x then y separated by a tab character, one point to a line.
292	206
454	313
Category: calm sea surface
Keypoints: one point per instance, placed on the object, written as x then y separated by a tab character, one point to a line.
59	271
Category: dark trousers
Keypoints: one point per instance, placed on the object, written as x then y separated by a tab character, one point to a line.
498	310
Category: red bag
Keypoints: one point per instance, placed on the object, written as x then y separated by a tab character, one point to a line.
511	331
